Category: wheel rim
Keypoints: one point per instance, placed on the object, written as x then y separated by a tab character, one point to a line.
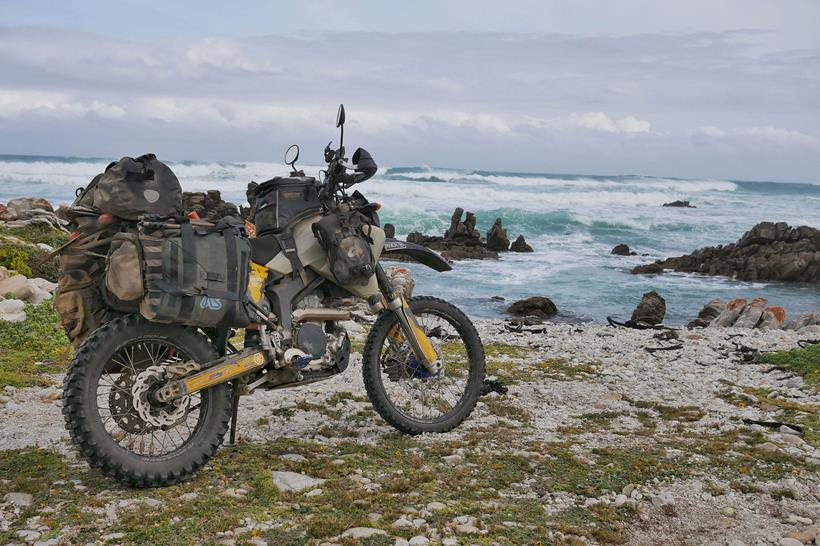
410	389
120	417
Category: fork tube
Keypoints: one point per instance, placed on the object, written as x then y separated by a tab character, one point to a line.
419	342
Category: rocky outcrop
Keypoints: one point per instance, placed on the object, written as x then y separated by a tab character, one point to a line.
767	252
208	205
497	237
520	245
651	309
681	204
461	241
741	313
622	250
26	211
536	306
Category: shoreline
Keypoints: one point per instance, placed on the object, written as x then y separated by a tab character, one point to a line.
653	442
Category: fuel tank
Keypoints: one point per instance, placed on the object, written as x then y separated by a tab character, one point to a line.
313	256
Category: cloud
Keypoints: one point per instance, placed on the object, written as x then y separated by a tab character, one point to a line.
599	121
710	135
537	101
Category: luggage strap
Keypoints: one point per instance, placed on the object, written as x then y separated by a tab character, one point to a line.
288	246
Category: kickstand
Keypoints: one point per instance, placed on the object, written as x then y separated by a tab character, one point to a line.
234	411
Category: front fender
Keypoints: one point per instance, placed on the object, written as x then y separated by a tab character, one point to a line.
418	253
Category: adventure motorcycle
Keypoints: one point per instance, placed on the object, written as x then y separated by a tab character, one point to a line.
150	402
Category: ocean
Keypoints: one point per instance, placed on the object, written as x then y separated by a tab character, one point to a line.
572	221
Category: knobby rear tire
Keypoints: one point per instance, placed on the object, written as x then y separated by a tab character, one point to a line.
86	426
373	380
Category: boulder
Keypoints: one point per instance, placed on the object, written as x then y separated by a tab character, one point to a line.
28	207
681	204
772	318
497	237
520	245
17	286
709	313
38	296
622	250
389	231
806	319
4	273
751	314
651	309
729	315
536	306
43	284
767	252
293	481
5	213
12	310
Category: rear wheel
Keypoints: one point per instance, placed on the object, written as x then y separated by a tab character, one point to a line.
111	415
404	393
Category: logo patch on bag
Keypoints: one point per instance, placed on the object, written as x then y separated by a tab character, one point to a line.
152	196
210	303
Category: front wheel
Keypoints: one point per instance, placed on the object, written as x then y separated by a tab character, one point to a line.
408	396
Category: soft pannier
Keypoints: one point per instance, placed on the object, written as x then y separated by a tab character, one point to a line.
194	273
346	240
281	202
79	297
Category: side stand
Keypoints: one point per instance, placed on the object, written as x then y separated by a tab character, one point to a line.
234	412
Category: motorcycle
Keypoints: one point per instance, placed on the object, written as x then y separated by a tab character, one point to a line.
149	403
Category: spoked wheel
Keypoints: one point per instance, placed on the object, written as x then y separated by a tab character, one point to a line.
111	413
406	394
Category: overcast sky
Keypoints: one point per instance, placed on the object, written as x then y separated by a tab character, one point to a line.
727	89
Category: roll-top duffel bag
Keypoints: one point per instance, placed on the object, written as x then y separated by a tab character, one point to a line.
194	273
281	202
131	188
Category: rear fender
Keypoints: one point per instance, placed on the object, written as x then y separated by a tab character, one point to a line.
419	253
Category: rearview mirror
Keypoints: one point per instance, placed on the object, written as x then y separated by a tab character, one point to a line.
340	116
292	155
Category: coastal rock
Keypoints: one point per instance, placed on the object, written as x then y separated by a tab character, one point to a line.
293	481
209	205
751	314
536	306
622	250
520	245
5	213
497	237
709	313
681	204
651	309
460	242
806	319
27	207
389	231
459	229
17	286
729	315
767	252
363	532
772	318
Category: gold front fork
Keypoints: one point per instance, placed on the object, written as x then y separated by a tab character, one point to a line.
422	346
